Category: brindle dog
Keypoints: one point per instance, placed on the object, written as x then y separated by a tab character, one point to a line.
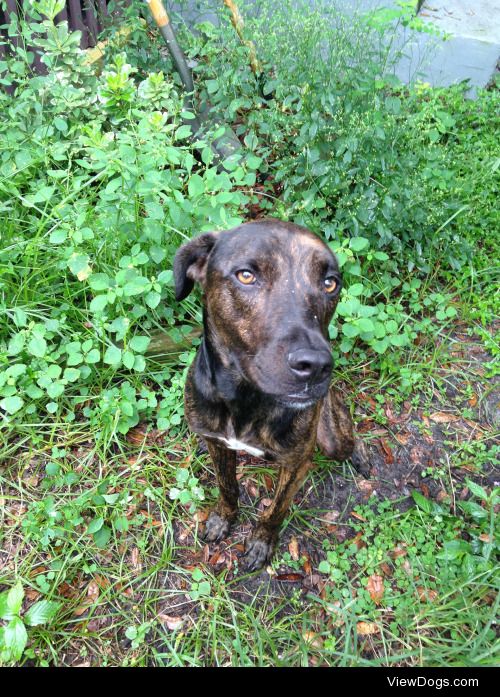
260	381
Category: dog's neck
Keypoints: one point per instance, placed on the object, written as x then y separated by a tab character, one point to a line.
218	378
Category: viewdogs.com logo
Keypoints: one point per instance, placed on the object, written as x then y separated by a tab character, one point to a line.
437	683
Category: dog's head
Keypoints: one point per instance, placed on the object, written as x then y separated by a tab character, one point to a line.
270	290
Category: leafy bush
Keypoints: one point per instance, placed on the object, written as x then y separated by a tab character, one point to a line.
100	183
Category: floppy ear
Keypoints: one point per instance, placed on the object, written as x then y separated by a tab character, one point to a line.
190	263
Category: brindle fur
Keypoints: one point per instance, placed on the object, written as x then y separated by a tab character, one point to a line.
240	382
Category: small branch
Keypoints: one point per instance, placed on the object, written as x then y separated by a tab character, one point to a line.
237	21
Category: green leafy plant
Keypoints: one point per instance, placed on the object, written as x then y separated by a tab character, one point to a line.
200	586
188	490
13	632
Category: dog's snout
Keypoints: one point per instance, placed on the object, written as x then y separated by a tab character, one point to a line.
308	364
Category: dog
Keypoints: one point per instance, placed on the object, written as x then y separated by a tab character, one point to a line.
260	381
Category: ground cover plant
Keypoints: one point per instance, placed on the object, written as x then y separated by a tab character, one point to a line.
102	490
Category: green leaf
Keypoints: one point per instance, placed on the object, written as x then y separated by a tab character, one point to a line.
197	575
477	490
350	330
79	264
11	404
212	86
58	236
5	613
37	346
111	498
92	356
356	289
358	243
128	359
98	303
365	324
204	588
136	286
398	340
55	390
15	638
196	186
152	299
99	281
166	277
183	132
102	537
16	344
422	502
15	598
113	355
95	525
41	612
71	374
139	343
60	124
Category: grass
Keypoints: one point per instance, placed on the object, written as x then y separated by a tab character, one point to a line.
138	600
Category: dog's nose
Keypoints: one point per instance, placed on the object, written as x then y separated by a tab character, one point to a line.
308	364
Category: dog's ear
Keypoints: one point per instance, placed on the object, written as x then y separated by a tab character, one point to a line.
190	263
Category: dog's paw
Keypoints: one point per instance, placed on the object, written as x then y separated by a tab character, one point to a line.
257	553
361	459
216	528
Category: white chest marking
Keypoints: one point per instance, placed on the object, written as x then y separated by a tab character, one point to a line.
235	444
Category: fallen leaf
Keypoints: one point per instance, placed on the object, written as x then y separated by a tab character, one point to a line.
386	569
357	541
93	590
268	482
289	578
136	435
330	517
135	558
426	594
398	552
200	516
313	639
32	594
375	588
307	566
389	457
102	582
442	417
214	558
358	516
366	628
402	438
171	621
293	548
366	486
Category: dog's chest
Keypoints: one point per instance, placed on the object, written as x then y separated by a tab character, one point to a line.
235	444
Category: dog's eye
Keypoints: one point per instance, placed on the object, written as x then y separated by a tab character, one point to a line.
330	284
246	277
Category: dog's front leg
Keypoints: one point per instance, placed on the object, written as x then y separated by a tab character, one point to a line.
259	548
226	509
